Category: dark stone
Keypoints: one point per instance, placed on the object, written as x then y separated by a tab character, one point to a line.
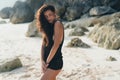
111	59
10	64
35	4
32	30
76	42
60	6
3	22
78	31
72	13
22	13
101	10
6	12
107	31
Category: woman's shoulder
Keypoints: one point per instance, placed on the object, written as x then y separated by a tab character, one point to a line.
58	24
58	21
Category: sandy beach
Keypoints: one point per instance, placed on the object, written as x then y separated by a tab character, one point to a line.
79	63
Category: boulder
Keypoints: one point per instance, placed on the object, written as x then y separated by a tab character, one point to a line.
35	4
84	29
59	5
116	15
6	12
3	22
10	64
110	58
84	22
22	13
104	19
86	15
113	4
101	10
76	42
32	30
68	25
67	9
78	31
100	20
107	35
76	9
84	4
96	3
72	13
70	9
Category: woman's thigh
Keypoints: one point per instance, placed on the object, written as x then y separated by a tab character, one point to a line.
50	74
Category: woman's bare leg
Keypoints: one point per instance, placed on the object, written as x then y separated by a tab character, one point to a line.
50	74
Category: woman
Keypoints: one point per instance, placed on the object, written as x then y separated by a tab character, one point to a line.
53	36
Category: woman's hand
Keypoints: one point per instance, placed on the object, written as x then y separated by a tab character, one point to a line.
43	66
47	64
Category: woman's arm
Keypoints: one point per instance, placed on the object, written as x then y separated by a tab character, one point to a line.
43	65
58	35
42	49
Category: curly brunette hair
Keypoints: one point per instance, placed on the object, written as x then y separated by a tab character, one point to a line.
42	23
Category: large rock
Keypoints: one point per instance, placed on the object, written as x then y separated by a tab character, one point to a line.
110	58
76	9
96	3
112	3
85	4
59	5
22	13
78	31
3	22
101	10
115	4
67	9
35	4
84	22
72	13
6	12
76	42
32	30
70	9
84	29
10	64
107	34
104	19
68	25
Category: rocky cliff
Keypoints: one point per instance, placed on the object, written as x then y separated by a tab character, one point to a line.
68	9
103	15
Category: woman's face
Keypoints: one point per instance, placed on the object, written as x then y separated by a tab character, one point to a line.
50	16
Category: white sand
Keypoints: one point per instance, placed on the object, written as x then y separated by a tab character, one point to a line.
79	63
